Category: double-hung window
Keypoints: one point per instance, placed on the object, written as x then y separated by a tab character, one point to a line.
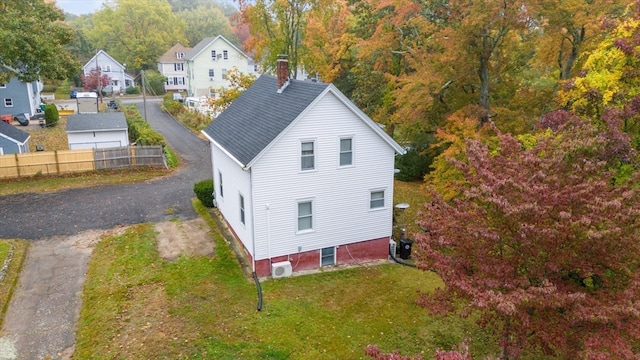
178	67
305	215
225	54
346	151
8	102
307	155
220	184
242	209
211	73
214	56
377	199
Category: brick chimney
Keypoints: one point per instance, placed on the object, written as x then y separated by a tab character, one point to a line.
282	71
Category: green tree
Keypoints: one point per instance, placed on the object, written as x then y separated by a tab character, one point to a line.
154	82
33	38
276	27
223	97
205	22
137	32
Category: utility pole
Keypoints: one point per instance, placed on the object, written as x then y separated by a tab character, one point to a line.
99	81
144	95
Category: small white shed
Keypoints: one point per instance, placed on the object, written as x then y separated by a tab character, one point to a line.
87	102
97	131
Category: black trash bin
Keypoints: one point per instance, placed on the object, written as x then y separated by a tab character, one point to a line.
405	248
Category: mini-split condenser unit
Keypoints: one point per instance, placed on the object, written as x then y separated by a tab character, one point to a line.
281	269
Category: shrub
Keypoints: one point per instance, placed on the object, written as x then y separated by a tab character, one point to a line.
173	107
204	192
132	90
51	115
140	132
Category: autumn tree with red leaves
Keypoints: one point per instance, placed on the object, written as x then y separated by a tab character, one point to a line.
543	242
94	80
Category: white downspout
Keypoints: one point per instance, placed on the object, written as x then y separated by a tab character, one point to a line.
266	206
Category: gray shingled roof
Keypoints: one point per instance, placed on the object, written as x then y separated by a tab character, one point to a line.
14	133
96	122
204	43
260	114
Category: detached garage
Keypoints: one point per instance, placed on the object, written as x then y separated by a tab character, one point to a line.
97	131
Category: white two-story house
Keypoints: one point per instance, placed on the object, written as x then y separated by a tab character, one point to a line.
208	62
120	80
303	178
172	65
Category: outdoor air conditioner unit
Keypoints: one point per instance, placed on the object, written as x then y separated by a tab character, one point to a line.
392	247
281	269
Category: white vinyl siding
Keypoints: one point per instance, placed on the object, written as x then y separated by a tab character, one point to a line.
236	181
341	200
346	151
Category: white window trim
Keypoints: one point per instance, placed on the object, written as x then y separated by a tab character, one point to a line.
335	256
353	161
313	215
315	155
384	194
225	54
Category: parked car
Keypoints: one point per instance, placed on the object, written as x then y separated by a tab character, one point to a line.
21	119
73	94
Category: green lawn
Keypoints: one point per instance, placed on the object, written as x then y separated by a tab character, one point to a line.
138	306
15	251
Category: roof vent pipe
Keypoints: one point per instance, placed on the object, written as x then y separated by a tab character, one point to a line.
282	72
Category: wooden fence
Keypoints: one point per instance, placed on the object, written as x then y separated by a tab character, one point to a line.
72	161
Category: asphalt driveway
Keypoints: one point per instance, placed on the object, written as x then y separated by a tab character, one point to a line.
35	216
41	319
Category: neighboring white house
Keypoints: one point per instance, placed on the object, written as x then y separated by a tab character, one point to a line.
97	131
208	62
13	140
120	80
172	65
19	97
302	177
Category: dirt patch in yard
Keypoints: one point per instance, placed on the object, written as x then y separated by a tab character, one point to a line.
189	238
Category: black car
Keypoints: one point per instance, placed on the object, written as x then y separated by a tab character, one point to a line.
23	120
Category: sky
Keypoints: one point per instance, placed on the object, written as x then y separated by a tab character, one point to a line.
79	7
